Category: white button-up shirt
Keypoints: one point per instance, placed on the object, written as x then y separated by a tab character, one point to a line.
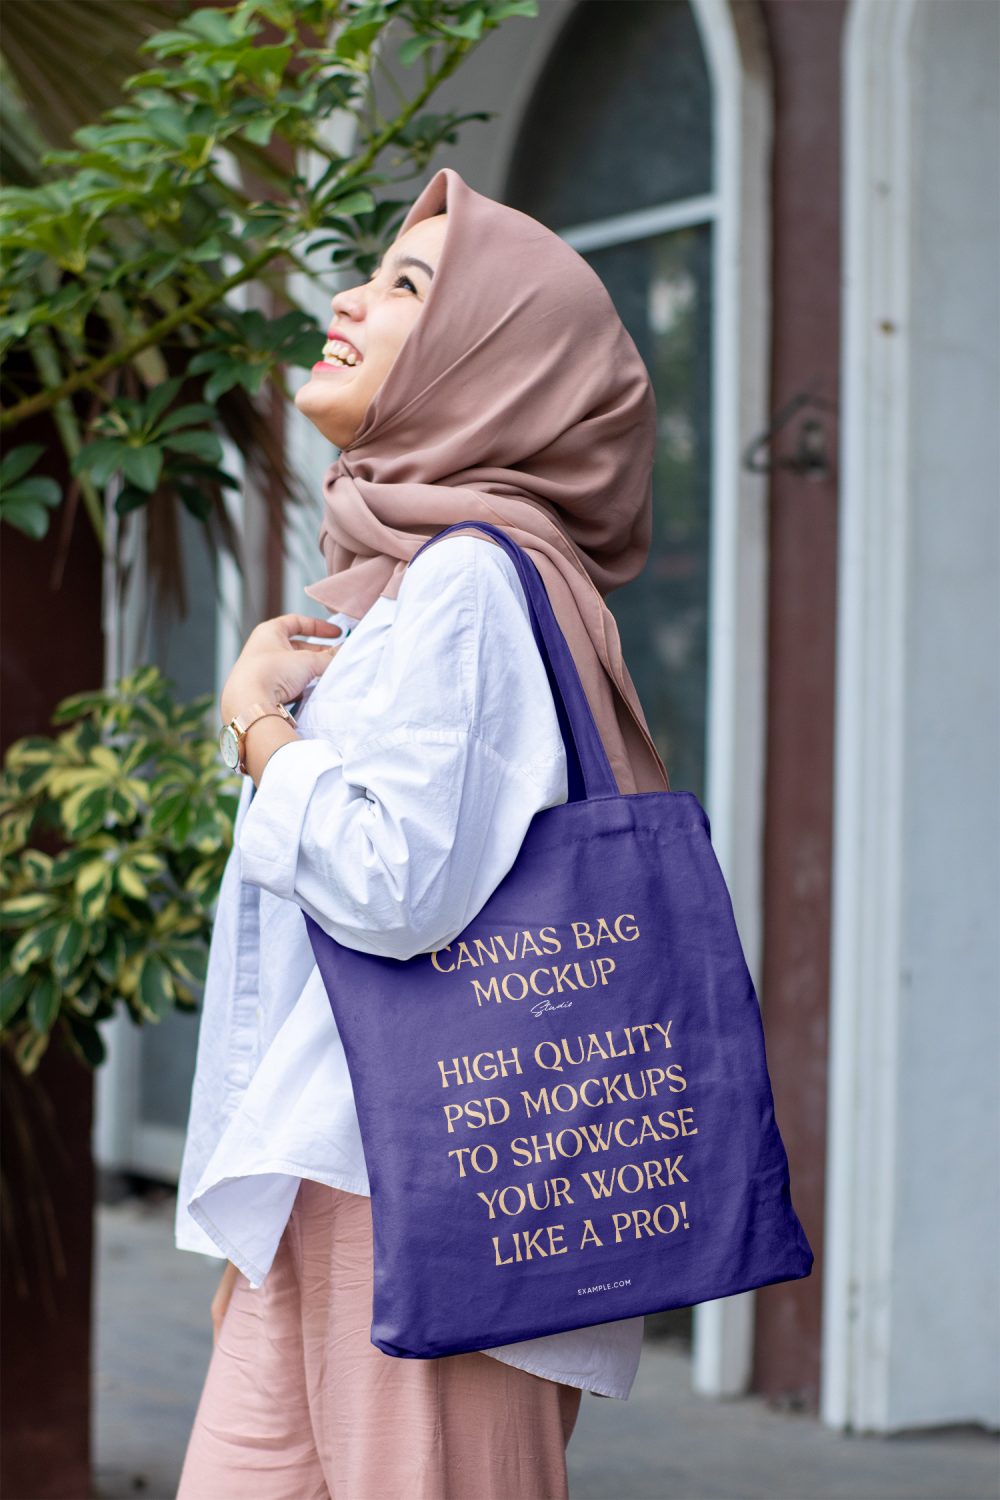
428	745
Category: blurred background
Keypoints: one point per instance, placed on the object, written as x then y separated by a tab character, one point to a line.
795	206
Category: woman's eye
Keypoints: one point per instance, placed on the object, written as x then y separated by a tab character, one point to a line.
400	280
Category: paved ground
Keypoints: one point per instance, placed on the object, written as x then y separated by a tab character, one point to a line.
153	1343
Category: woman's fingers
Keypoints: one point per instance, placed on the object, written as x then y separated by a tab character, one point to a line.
308	625
284	626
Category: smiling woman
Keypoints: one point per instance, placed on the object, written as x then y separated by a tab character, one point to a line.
369	327
458	385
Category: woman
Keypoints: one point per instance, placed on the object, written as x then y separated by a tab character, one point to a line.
482	373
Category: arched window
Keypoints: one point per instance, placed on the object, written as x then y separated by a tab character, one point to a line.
615	153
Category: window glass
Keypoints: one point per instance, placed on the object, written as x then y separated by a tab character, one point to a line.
662	290
620	122
620	119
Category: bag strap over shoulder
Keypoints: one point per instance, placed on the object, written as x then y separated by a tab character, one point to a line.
588	768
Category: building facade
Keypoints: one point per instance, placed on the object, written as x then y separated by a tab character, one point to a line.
795	209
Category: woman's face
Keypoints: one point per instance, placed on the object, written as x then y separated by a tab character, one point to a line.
374	319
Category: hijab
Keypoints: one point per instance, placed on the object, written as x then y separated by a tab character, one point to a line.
517	398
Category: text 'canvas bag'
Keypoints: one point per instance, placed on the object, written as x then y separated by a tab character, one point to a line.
566	1112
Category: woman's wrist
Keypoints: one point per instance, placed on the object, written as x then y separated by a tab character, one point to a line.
237	696
266	734
263	738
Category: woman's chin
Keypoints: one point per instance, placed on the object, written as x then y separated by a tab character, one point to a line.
324	408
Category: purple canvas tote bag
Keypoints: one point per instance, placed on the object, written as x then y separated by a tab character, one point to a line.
566	1112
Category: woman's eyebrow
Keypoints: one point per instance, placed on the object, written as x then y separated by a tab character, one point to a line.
407	260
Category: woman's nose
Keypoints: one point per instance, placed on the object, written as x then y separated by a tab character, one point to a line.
349	302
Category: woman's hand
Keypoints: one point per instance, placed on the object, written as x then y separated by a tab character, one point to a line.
274	668
221	1299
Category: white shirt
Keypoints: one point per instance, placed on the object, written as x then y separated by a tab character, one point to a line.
428	745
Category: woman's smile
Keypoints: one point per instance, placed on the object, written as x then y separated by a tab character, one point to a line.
338	352
337	356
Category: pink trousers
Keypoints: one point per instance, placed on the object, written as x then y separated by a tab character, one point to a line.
298	1404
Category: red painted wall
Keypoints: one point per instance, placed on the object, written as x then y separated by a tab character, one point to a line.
805	43
51	647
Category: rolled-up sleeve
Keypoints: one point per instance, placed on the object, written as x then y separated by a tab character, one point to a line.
392	832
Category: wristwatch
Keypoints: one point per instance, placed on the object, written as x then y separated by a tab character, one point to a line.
232	736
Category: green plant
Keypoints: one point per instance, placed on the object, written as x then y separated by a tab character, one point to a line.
122	264
122	329
140	810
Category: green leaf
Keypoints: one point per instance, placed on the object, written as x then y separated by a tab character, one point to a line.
414	47
19	910
34	946
356	40
259	131
32	520
263	65
36	867
123	807
253	377
130	498
26	502
302	351
14	990
129	881
212	26
70	948
189	960
85	815
204	445
93	887
65	865
17	462
156	987
167	810
223	380
500	10
43	1002
30	1049
148	861
100	459
194	501
169	125
185	415
210	249
37	490
87	998
350	204
109	960
92	873
32	750
142	466
159	399
86	1041
97	936
470	28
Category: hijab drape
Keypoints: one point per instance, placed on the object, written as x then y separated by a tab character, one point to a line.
517	398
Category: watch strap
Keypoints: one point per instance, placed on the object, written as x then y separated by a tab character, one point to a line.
243	721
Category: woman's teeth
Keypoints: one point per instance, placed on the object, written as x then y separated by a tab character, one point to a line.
335	351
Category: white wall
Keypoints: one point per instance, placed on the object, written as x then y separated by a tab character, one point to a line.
944	1296
912	1295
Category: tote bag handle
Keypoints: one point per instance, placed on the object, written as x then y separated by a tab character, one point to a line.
589	772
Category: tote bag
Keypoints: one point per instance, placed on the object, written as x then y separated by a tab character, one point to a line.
566	1112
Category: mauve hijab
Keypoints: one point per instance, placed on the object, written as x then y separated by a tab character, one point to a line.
517	398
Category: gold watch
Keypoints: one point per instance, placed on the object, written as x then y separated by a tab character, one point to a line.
232	736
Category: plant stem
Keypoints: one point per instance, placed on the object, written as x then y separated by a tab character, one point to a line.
157	331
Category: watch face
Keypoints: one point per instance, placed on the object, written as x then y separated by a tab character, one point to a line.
229	747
